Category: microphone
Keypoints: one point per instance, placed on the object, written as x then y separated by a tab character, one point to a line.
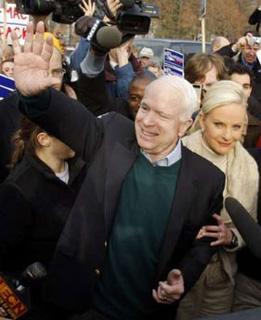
249	229
101	36
109	37
34	272
14	295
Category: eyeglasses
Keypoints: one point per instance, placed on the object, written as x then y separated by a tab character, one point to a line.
57	73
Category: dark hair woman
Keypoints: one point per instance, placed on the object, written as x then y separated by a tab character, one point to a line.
35	201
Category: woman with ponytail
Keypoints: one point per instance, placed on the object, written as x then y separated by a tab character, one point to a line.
35	201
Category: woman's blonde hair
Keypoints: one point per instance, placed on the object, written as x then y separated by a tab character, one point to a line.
221	93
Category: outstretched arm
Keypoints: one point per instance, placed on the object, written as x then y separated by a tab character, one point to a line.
53	111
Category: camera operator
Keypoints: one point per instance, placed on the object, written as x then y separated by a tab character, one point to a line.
120	63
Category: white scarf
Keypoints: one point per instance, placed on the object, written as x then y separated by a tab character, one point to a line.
239	168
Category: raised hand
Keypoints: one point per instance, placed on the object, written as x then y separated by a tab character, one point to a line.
114	6
88	7
31	65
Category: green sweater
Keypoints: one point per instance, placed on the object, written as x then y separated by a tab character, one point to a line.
125	288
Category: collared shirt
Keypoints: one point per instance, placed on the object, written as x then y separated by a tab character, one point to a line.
170	159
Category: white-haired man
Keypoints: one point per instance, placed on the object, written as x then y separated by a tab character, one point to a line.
129	249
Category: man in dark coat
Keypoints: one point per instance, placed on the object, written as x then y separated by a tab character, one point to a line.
129	249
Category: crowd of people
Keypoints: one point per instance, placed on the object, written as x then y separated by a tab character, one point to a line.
115	180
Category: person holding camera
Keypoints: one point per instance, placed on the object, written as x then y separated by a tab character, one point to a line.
120	63
244	51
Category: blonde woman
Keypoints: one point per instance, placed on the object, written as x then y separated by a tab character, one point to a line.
221	125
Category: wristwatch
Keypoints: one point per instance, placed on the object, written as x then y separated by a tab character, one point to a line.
234	241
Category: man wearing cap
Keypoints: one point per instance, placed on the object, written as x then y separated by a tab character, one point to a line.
145	55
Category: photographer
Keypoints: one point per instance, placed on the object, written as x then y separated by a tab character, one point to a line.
244	51
92	75
120	64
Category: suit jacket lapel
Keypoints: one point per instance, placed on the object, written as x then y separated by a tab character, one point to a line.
182	203
121	161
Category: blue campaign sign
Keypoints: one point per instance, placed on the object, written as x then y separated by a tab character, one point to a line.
7	86
173	62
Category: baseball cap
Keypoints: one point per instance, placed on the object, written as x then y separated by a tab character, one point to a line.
146	52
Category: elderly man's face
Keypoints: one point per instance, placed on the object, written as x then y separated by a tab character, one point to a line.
157	122
249	53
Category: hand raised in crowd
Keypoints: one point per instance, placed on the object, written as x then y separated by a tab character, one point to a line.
31	64
241	43
114	6
170	290
88	7
220	232
122	53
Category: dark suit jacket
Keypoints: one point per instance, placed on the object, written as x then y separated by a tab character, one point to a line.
109	146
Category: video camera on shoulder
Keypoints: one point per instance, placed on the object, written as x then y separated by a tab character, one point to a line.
130	18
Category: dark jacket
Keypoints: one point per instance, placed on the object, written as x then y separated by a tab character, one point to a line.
34	206
110	147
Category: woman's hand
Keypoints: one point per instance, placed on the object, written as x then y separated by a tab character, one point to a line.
220	232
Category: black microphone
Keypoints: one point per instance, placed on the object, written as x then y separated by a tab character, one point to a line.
102	39
34	272
101	36
108	37
249	229
14	295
